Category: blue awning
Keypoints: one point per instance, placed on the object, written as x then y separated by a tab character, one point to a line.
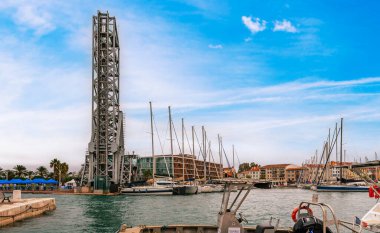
51	181
16	181
39	181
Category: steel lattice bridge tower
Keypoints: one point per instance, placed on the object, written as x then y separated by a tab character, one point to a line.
103	168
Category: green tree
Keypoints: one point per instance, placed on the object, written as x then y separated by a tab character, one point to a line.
2	173
9	174
42	171
55	164
147	174
253	164
63	170
20	170
30	174
244	167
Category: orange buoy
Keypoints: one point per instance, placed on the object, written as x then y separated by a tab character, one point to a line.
295	211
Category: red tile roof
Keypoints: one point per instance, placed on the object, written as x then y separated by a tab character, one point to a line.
281	165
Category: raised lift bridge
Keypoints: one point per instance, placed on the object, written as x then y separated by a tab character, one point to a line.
103	170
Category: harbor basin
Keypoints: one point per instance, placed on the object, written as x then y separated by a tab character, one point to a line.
81	213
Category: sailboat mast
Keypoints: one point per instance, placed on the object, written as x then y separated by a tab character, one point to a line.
233	160
341	149
192	138
183	149
336	147
220	158
204	151
152	135
209	159
171	139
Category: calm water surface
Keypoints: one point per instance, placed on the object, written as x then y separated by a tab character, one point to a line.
79	213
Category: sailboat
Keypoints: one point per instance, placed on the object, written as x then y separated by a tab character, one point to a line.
184	189
341	187
159	187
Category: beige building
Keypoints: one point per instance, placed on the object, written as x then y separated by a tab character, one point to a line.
253	173
275	173
293	173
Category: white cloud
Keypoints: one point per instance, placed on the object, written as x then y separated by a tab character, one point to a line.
284	25
216	46
248	39
254	26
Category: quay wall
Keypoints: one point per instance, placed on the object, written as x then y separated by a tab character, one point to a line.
24	208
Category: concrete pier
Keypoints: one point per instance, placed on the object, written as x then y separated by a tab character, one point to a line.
19	209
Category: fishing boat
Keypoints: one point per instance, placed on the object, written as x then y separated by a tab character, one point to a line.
230	221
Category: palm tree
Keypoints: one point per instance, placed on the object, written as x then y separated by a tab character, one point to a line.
30	174
9	174
63	169
55	164
41	171
20	170
2	173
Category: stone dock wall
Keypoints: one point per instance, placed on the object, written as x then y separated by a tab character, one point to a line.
21	209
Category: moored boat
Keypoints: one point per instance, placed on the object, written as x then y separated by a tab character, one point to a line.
206	189
340	188
147	190
263	185
185	190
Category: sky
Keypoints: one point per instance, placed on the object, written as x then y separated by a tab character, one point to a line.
271	77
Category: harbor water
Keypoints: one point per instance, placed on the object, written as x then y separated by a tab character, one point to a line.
81	213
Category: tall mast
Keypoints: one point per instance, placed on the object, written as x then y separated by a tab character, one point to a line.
171	139
183	150
219	151
220	155
233	160
336	147
209	159
341	149
204	151
152	134
192	138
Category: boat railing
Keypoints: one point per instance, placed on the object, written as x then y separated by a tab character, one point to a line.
227	219
325	208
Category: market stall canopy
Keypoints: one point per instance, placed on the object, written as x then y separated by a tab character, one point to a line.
51	181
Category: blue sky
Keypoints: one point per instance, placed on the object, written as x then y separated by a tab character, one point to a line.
270	76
